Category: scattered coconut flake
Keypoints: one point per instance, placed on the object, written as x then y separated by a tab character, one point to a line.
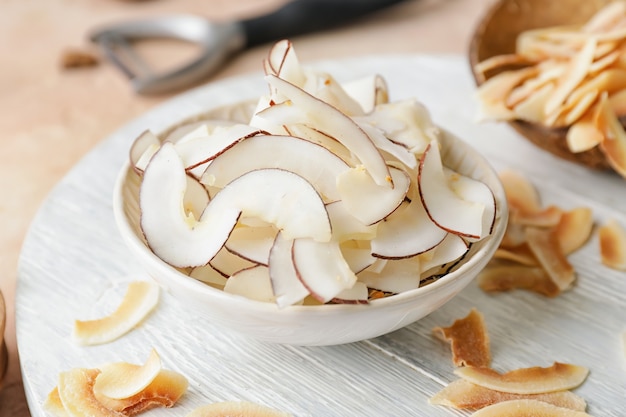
139	300
507	277
612	236
468	339
462	394
164	391
574	229
535	380
525	408
77	396
544	244
81	391
123	379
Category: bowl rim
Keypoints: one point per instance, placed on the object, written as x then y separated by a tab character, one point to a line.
486	250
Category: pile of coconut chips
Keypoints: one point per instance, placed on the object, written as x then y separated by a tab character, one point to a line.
330	193
571	77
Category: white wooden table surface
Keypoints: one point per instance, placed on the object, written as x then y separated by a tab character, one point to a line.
73	264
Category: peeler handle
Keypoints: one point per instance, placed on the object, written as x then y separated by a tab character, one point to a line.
302	16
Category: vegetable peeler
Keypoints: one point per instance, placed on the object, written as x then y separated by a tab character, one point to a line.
219	41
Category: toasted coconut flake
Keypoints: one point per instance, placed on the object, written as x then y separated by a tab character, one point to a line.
550	216
164	391
526	408
520	193
462	394
140	298
535	380
77	396
513	236
550	71
498	61
468	339
605	62
576	110
614	144
122	379
507	277
236	409
545	245
607	82
531	108
612	236
585	134
574	229
492	94
578	69
53	404
617	102
521	255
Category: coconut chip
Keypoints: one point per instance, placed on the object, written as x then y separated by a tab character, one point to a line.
612	236
535	380
509	276
462	394
468	339
80	391
544	244
140	299
122	379
76	394
164	391
525	408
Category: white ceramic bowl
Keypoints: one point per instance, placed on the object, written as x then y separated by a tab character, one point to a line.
321	324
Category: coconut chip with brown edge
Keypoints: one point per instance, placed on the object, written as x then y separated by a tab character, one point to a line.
136	388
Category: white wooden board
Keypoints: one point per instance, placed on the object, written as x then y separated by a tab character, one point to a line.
74	265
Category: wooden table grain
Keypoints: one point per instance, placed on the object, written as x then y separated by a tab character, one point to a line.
52	117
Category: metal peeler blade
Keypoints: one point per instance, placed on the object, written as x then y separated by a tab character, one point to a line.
218	41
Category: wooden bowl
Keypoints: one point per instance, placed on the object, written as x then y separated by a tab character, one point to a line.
496	34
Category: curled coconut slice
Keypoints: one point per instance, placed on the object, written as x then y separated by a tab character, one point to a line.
253	283
544	244
77	395
535	380
236	409
445	207
139	300
286	285
462	394
506	277
317	164
279	197
331	121
122	379
407	232
321	268
525	408
163	391
368	201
